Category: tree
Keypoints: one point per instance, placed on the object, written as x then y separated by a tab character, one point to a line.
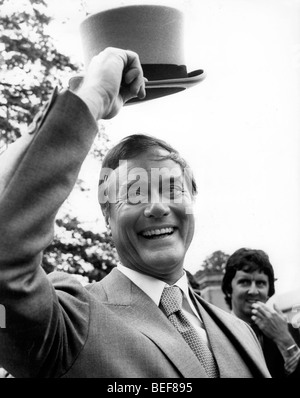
214	263
77	251
30	66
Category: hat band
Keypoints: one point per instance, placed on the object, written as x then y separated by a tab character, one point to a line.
164	71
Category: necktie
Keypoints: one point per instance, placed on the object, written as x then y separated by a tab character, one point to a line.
171	302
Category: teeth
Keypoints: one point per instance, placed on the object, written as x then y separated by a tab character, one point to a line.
156	232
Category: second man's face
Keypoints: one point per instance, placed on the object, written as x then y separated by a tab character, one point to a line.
248	288
151	220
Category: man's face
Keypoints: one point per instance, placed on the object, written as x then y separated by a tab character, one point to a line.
247	288
151	222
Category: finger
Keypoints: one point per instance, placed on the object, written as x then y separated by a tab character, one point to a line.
128	94
277	309
141	89
257	321
142	93
138	86
256	316
260	315
261	309
136	82
136	89
131	61
131	75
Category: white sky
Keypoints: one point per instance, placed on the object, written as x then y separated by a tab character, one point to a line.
238	129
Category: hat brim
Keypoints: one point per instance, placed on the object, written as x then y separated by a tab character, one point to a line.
156	88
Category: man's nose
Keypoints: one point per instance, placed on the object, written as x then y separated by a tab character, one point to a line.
157	210
253	288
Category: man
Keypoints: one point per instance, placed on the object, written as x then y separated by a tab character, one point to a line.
247	284
121	326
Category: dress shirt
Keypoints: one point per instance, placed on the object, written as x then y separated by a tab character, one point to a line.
154	287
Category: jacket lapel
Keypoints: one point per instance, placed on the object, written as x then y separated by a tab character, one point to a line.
230	342
136	308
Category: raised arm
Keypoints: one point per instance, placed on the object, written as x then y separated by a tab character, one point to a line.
36	176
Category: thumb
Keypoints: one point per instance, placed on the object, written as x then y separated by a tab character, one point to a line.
277	309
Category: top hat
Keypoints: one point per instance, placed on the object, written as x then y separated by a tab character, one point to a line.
155	33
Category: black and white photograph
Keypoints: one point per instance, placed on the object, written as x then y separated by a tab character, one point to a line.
149	191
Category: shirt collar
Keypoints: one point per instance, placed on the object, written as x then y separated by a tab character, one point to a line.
182	283
151	286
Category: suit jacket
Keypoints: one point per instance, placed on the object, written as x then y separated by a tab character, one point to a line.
55	327
273	356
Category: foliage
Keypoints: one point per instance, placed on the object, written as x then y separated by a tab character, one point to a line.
30	67
81	252
214	263
30	64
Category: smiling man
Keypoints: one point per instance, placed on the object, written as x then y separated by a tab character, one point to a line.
151	216
249	288
248	283
142	320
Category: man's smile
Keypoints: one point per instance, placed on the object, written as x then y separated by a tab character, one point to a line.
157	233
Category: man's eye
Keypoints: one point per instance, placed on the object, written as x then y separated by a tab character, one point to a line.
261	283
244	282
134	196
133	193
175	191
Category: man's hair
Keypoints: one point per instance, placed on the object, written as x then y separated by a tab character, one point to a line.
247	260
134	145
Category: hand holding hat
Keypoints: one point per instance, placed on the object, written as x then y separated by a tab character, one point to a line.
113	77
153	32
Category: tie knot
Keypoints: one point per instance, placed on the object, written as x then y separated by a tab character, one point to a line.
171	299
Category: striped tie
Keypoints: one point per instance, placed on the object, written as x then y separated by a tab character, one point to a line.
171	302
